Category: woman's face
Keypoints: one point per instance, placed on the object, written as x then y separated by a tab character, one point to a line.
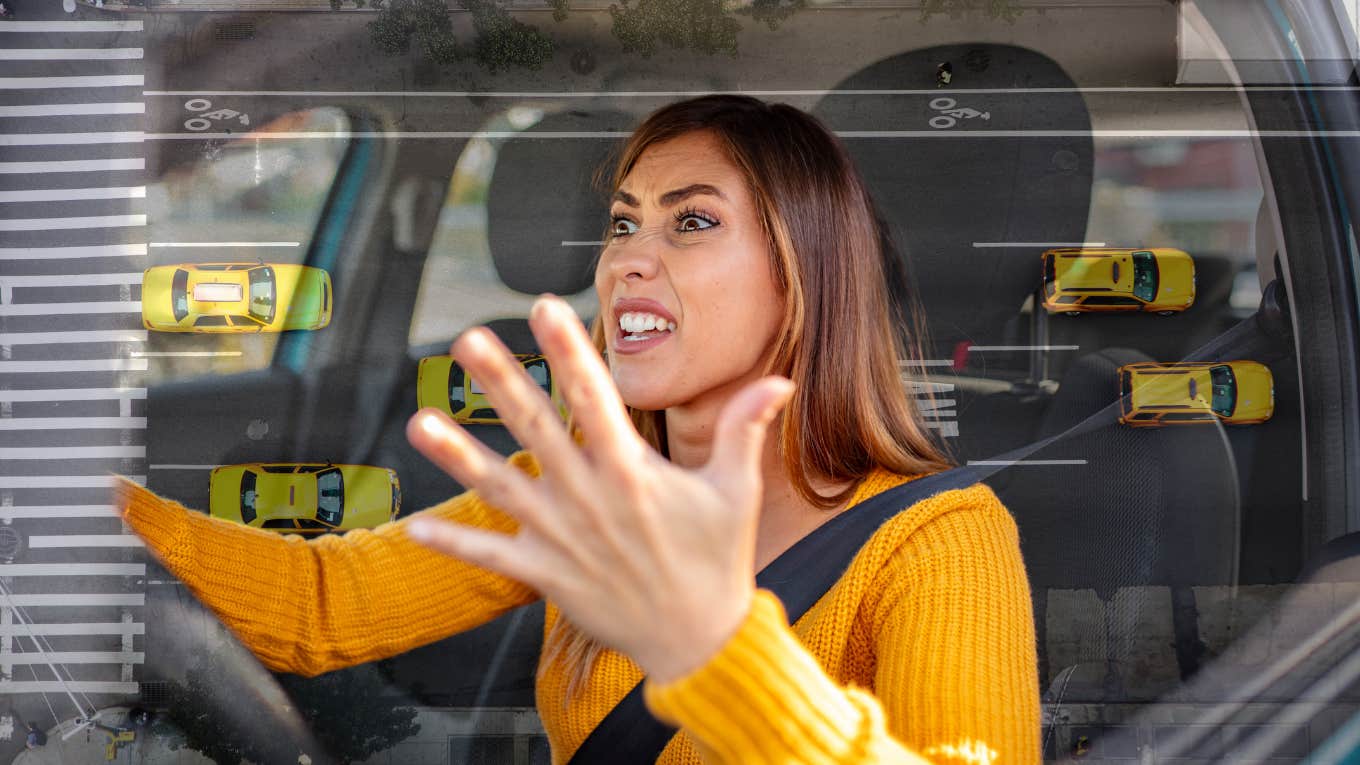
686	248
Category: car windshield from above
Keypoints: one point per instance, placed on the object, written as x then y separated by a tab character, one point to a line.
1225	390
330	496
179	294
1144	276
538	371
262	293
248	496
457	395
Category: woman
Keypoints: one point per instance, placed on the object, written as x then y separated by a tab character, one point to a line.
742	252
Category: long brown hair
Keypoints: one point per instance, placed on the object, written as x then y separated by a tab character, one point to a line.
842	333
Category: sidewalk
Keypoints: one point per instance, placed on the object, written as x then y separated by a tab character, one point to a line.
88	747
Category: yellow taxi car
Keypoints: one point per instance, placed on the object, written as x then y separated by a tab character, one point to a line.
1090	280
1231	392
442	384
304	498
235	297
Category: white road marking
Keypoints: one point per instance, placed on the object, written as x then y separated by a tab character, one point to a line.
77	599
63	482
76	657
57	83
75	423
71	280
52	224
182	467
71	26
73	569
84	540
67	686
90	336
65	195
1026	462
63	110
1038	244
925	363
225	244
70	54
57	511
581	244
72	139
71	452
70	309
74	166
74	365
71	394
75	628
194	354
63	253
973	348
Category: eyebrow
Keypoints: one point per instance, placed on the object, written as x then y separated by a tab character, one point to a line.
671	197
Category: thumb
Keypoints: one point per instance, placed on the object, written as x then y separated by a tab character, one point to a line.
741	432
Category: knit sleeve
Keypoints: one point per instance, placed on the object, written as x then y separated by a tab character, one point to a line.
956	681
309	606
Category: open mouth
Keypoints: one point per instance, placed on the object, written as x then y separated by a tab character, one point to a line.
639	331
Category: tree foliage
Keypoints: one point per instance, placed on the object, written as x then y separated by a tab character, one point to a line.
700	25
345	711
500	41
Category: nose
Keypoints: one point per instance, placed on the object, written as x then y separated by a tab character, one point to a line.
631	260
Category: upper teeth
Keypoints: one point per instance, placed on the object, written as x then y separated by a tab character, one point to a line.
642	322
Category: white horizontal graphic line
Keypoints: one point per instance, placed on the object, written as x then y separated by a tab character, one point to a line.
70	54
84	540
1038	244
1026	462
65	253
74	657
58	511
850	134
63	482
76	423
78	599
225	244
74	365
71	452
182	467
74	165
69	309
73	569
973	348
72	139
75	628
183	354
66	195
61	110
52	224
70	280
71	26
90	81
88	336
933	92
25	687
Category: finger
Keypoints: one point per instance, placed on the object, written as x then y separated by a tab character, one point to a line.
742	430
488	549
477	467
522	406
585	381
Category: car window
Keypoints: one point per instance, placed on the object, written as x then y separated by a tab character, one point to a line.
251	199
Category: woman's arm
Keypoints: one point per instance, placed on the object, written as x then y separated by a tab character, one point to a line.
309	606
956	665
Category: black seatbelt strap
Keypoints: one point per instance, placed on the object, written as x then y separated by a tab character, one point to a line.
808	569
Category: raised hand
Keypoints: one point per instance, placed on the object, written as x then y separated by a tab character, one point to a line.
654	560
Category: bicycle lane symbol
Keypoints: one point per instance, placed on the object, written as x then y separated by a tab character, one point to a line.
206	119
950	113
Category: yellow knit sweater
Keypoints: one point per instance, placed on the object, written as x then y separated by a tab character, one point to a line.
922	652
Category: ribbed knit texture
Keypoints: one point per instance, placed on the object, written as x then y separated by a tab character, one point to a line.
923	651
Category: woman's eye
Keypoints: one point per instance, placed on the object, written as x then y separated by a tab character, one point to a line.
616	231
692	221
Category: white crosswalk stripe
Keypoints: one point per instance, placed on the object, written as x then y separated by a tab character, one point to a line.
70	571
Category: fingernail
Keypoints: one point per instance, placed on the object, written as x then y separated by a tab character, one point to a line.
431	424
420	530
539	306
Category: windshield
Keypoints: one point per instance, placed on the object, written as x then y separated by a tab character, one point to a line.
457	393
1144	276
330	496
179	294
262	293
248	496
1225	390
538	371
